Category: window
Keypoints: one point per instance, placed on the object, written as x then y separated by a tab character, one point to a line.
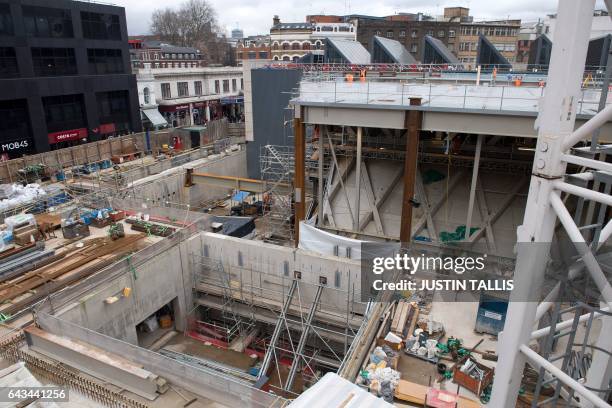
6	22
241	84
263	55
64	112
197	86
226	85
286	46
165	88
47	22
451	33
414	48
295	46
306	46
234	85
104	61
402	33
183	89
114	107
217	87
100	26
389	34
378	32
8	62
15	124
414	33
441	33
252	55
146	95
430	33
53	61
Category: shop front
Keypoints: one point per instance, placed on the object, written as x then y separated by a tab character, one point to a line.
67	138
177	115
15	148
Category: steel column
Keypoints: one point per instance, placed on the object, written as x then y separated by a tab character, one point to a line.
414	121
556	124
468	224
322	129
299	182
358	179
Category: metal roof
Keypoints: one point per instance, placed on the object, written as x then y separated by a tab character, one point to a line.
165	47
489	55
395	50
441	49
352	51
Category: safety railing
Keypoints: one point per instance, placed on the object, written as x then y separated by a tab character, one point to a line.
391	91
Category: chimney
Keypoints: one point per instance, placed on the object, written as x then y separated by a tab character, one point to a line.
275	21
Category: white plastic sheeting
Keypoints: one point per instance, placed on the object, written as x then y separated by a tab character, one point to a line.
326	243
334	391
19	195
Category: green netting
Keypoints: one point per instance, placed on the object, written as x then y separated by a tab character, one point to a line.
432	176
457	235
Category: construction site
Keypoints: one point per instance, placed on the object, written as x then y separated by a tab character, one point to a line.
149	270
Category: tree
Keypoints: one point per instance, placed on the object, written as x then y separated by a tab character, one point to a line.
193	24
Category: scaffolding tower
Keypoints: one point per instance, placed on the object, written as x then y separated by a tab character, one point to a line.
277	168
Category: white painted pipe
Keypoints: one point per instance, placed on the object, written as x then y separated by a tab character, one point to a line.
590	163
536	334
588	127
541	362
584	192
587	255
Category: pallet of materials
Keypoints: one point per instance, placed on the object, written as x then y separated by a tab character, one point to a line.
26	234
151	228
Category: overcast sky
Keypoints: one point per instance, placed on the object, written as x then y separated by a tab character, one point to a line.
255	16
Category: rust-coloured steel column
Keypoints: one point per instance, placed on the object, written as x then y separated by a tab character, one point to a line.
413	121
299	182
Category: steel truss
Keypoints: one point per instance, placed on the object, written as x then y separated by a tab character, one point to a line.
556	138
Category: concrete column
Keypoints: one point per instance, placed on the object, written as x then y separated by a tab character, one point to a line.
413	123
191	114
207	112
299	182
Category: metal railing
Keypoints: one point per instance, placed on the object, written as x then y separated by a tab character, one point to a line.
391	91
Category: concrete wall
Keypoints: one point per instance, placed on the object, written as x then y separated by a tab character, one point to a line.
213	385
269	270
270	98
164	277
169	185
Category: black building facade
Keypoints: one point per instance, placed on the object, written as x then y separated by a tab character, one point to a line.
65	75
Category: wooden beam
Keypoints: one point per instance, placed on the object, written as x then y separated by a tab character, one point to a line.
414	122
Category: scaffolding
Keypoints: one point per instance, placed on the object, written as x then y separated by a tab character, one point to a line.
277	169
300	333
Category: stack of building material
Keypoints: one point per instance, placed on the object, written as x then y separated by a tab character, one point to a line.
151	228
78	263
402	312
26	234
